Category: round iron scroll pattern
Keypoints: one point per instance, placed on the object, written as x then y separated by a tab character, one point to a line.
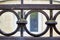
9	34
50	23
47	17
55	28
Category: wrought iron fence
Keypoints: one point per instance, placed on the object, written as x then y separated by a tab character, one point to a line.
51	21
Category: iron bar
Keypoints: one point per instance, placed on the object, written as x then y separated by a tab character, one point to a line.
51	1
51	28
21	1
51	16
22	18
30	6
51	31
21	31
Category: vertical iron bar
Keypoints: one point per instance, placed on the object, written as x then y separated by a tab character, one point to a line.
21	9
51	16
22	18
51	13
51	31
21	1
21	30
50	1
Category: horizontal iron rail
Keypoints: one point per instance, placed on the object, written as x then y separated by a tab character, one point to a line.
29	38
30	6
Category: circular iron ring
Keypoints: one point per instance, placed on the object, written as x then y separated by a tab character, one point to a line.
36	35
9	34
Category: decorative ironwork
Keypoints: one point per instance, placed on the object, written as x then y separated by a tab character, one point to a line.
17	18
51	23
